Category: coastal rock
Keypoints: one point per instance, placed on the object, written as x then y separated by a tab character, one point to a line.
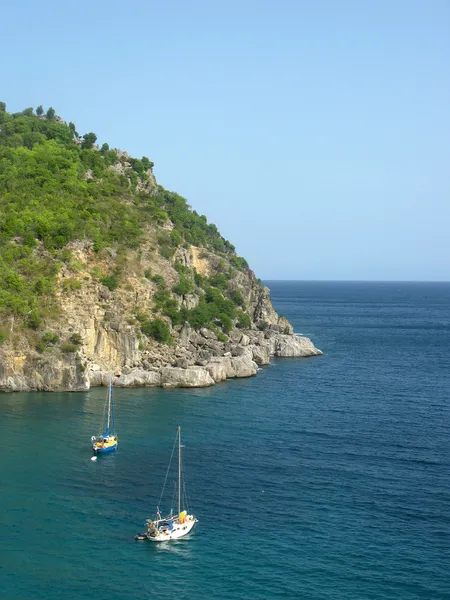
185	335
244	340
261	355
295	346
26	373
240	366
193	377
217	370
285	326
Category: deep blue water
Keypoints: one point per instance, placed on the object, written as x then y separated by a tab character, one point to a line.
319	479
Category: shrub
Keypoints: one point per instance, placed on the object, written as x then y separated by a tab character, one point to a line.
166	251
239	262
219	304
157	329
199	316
199	280
219	281
50	339
159	281
185	286
148	274
76	339
237	298
176	315
111	281
161	297
68	348
243	320
226	322
175	238
182	269
34	320
71	284
41	347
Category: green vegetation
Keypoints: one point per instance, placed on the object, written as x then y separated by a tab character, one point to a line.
159	281
111	281
237	298
48	339
243	320
70	284
57	187
68	348
155	328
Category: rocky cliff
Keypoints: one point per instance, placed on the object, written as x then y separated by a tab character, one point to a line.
167	303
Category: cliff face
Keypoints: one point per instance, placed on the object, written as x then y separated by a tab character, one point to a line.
103	272
112	342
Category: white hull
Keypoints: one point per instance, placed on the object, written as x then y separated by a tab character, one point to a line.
179	530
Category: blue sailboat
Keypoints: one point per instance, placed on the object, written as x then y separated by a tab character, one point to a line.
107	441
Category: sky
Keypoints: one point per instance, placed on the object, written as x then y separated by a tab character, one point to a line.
315	134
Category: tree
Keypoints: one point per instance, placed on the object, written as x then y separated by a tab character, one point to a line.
2	107
147	164
40	110
89	140
50	113
104	148
73	128
28	112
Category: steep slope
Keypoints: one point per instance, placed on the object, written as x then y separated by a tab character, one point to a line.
104	271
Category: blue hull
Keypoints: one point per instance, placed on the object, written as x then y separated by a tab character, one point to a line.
103	450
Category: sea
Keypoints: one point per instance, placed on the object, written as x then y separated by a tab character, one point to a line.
326	478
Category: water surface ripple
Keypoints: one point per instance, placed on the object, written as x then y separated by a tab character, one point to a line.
320	479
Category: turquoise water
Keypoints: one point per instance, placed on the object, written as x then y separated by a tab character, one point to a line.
323	478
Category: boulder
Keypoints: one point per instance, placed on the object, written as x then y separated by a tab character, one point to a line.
240	366
185	335
260	355
138	378
192	377
285	326
245	340
295	346
217	370
238	351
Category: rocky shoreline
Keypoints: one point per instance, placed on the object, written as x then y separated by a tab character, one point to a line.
198	360
216	362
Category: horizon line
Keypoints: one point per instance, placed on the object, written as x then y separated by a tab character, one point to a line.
362	280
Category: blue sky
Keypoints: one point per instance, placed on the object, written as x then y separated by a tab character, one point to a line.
315	134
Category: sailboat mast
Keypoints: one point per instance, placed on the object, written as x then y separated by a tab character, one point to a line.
179	470
109	405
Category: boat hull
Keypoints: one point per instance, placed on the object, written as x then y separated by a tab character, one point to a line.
105	449
179	531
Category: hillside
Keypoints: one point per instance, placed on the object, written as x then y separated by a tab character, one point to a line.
103	270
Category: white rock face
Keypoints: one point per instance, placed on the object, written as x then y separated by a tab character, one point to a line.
191	377
217	370
260	355
240	366
295	346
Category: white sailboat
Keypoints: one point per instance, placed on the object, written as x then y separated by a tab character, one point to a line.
176	525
